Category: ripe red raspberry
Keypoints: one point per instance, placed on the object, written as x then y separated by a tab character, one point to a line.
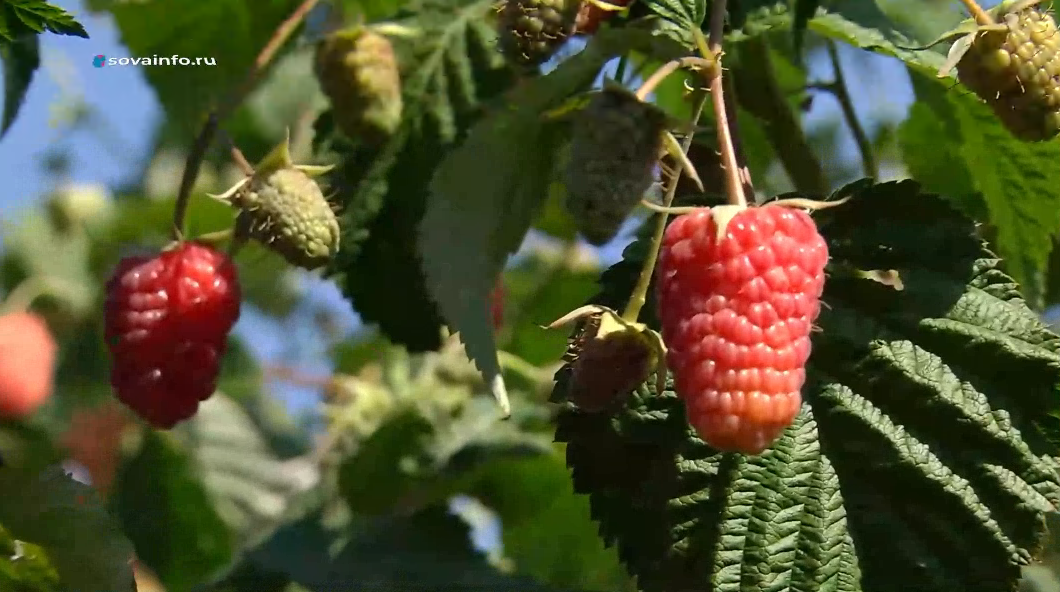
167	322
736	316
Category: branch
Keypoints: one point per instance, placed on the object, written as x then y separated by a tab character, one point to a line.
839	90
209	129
760	94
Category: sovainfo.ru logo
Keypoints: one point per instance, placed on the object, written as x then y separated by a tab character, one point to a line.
174	60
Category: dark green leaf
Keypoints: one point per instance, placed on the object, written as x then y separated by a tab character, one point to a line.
448	72
914	465
419	433
868	24
429	551
20	58
250	487
541	289
485	194
247	577
373	10
1017	182
24	567
20	17
68	520
26	446
547	530
678	18
387	465
166	511
231	32
935	161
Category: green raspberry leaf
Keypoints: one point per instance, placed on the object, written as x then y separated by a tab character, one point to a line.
484	196
20	59
19	17
914	465
1015	183
548	531
448	72
213	484
888	27
69	522
427	551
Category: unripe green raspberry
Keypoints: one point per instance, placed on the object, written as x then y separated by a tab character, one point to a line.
531	31
287	211
283	207
358	72
1015	68
617	140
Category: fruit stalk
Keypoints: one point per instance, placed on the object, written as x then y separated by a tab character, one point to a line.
640	293
238	157
733	183
981	17
213	121
669	68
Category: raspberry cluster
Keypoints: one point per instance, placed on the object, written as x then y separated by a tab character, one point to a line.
532	31
736	314
1016	70
167	323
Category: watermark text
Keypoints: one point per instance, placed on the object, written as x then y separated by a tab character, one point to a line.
101	60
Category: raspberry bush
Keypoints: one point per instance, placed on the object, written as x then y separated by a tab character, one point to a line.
668	295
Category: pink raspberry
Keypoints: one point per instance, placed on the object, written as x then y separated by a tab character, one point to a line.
736	316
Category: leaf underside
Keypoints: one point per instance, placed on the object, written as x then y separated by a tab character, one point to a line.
913	465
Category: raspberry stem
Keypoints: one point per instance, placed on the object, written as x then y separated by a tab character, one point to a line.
237	155
640	293
733	183
981	16
219	114
669	68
